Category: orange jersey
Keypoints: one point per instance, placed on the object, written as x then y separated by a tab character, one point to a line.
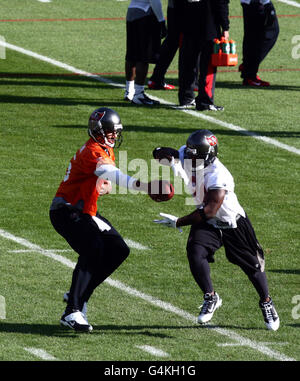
79	183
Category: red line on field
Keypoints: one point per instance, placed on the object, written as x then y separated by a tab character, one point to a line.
102	19
240	16
69	19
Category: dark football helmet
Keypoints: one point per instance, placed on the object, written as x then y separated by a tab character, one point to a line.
103	121
202	144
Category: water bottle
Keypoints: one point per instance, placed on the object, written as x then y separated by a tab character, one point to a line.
225	46
216	46
232	47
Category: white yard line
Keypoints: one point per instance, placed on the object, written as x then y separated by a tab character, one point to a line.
135	245
289	2
2	308
154	301
153	351
238	344
33	251
132	244
40	353
196	114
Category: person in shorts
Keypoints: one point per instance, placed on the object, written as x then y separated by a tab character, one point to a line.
145	26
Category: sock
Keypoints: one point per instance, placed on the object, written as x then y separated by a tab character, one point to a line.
130	89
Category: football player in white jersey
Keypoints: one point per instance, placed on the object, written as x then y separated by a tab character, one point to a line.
218	220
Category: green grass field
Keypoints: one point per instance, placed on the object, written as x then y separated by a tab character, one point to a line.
151	300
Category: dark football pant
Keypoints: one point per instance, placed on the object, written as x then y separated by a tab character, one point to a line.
100	253
261	30
195	60
169	46
241	248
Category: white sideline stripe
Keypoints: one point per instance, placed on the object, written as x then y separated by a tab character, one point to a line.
40	353
32	251
153	351
238	345
135	245
156	302
289	2
210	119
2	308
36	248
129	242
62	65
243	131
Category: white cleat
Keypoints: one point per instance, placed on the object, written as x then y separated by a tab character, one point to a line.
76	321
270	315
210	304
143	99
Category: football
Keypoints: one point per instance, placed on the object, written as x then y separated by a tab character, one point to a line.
160	190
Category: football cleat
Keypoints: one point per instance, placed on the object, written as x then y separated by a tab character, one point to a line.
210	304
270	315
208	107
257	82
128	96
187	105
160	86
143	99
76	321
84	308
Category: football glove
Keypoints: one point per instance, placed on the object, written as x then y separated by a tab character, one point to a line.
168	220
178	170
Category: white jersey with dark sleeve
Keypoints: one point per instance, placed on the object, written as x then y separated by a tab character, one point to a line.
214	176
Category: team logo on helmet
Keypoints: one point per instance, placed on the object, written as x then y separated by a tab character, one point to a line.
97	115
212	140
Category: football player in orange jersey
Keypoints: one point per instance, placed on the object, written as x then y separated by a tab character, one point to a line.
74	215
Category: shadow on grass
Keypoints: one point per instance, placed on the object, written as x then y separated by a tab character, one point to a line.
178	130
286	271
76	80
239	86
144	330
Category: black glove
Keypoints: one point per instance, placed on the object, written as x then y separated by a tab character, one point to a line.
163	29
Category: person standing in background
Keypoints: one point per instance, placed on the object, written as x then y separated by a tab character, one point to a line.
203	22
261	30
169	46
145	27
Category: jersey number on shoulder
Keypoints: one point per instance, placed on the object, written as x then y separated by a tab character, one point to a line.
67	175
